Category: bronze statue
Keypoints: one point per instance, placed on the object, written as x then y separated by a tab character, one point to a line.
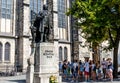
38	23
41	26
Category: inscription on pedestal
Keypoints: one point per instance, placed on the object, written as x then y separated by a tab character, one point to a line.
48	53
48	59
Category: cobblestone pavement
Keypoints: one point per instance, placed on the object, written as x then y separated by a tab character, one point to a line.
22	79
117	80
13	79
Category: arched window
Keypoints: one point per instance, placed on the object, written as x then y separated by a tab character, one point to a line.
65	53
7	52
60	53
1	47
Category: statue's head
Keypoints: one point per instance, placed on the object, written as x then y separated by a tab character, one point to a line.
45	7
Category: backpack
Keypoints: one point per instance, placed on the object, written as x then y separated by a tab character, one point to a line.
76	68
64	66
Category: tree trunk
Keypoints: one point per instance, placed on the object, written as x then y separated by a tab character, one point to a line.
96	54
115	55
115	60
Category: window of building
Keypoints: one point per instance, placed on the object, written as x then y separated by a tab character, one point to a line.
6	9
1	47
35	5
7	52
65	53
61	14
6	15
60	54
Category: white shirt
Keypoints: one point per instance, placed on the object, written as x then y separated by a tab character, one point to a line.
104	64
75	65
86	66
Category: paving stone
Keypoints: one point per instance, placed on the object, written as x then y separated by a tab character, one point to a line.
22	79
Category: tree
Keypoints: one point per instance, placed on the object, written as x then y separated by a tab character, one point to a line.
102	23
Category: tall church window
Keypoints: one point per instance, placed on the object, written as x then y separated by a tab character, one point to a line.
1	47
6	15
7	52
60	54
65	53
35	5
61	14
6	11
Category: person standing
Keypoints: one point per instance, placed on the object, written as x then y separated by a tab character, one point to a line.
68	69
81	70
87	66
75	71
64	68
104	65
93	70
110	69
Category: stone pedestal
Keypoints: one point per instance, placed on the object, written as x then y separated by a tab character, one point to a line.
46	63
29	74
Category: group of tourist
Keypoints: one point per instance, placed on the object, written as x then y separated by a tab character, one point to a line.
87	70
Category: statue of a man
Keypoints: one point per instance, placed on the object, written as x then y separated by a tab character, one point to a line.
42	26
38	23
46	23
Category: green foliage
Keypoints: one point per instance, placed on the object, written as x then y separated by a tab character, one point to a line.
102	23
102	19
53	79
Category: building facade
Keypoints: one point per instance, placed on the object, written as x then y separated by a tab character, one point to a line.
7	34
15	22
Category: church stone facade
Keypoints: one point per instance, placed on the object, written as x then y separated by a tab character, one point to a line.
7	34
15	22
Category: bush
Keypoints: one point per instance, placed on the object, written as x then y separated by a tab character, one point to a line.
53	79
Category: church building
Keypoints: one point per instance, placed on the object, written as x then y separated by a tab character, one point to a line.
15	36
